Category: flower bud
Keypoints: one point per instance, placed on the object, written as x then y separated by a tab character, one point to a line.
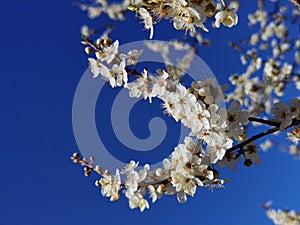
88	50
75	154
248	162
161	188
97	183
159	172
210	9
98	169
100	43
99	55
87	173
107	42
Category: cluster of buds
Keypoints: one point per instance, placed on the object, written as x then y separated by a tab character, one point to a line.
98	47
88	165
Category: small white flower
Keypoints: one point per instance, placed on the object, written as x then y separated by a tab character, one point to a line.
218	151
159	84
130	167
211	138
214	184
121	73
181	197
183	181
268	31
260	16
188	23
266	145
236	116
98	68
137	200
252	154
170	106
133	56
198	119
283	217
94	66
86	31
294	135
109	53
180	156
111	185
152	193
228	17
143	173
282	114
145	15
140	87
254	38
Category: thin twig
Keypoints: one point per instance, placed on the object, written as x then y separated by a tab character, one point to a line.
224	4
268	122
255	137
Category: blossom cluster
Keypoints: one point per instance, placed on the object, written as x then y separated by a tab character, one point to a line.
271	56
267	54
285	114
189	164
218	136
213	129
185	14
282	217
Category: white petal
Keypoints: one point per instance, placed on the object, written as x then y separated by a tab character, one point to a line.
181	197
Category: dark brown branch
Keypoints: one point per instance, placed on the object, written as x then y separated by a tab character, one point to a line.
295	122
255	137
268	122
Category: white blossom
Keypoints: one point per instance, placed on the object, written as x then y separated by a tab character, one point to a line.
282	114
109	52
98	68
284	217
111	185
137	201
214	130
227	17
184	182
235	115
145	15
218	151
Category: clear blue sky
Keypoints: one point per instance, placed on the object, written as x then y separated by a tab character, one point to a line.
42	62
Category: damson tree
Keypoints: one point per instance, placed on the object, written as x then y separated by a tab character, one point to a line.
218	135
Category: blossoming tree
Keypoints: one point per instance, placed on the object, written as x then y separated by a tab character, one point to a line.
218	136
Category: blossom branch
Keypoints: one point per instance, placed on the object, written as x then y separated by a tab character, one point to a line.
89	167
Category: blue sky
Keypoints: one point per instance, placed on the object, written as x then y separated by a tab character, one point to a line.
42	62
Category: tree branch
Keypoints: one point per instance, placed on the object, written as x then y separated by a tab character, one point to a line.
268	122
253	138
295	122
